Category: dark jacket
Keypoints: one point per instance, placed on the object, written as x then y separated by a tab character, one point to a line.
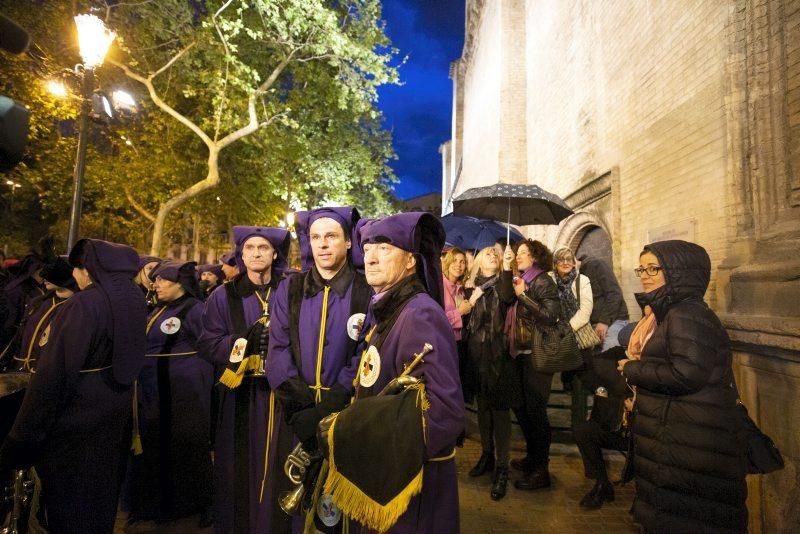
688	462
609	305
539	303
491	367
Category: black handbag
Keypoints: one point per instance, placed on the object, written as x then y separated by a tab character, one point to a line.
762	455
555	349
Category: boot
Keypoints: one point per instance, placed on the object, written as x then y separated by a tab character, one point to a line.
499	483
537	479
485	465
522	464
602	492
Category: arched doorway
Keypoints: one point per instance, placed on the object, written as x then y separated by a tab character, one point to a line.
596	243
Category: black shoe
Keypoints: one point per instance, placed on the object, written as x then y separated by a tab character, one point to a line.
537	479
602	492
499	483
522	464
485	465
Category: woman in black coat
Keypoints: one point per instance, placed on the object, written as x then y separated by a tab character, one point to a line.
534	304
690	473
493	371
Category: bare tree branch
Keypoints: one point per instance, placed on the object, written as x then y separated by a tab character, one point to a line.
216	26
172	61
148	82
253	123
138	207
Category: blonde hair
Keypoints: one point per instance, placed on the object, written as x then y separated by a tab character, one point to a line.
476	264
449	258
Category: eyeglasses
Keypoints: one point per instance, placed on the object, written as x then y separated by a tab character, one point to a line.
566	261
651	270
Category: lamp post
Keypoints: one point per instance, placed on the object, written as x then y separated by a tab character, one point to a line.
94	39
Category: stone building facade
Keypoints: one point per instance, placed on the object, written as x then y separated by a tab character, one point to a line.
654	120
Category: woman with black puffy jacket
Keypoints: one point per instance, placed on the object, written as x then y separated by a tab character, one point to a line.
689	466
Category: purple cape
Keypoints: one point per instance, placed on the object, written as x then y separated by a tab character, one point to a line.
112	267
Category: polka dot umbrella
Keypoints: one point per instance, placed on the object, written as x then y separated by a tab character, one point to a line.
519	204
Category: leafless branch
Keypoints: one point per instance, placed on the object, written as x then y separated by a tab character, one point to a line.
138	207
172	61
148	83
216	26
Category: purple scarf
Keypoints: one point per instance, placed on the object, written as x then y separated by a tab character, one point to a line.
511	316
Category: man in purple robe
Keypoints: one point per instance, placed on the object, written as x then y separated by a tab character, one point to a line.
170	475
211	276
401	255
74	424
14	299
251	441
316	321
35	330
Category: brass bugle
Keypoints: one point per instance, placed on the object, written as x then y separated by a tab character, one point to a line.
299	459
292	501
417	359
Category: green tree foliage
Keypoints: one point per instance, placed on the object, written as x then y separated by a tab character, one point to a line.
271	100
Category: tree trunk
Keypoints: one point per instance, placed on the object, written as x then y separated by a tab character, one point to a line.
196	237
211	180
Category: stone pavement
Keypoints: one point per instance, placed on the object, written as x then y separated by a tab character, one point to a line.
551	511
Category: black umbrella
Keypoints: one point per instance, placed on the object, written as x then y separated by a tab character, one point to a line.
516	203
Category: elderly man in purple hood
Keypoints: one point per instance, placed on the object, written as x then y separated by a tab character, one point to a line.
317	318
74	424
391	470
251	441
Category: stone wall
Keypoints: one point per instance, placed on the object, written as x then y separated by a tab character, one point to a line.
657	120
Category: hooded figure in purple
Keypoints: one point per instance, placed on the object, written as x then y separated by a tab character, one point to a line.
251	442
35	330
74	426
211	276
170	475
401	259
317	316
15	297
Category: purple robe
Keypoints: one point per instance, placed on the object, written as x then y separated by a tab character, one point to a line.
172	476
74	424
40	315
243	425
424	321
337	354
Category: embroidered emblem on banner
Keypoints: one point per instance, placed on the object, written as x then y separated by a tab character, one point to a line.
45	337
237	354
370	368
329	513
354	324
171	325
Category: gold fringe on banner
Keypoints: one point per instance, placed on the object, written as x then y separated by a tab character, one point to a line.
356	504
233	379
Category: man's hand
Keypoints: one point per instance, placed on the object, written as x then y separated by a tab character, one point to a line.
601	329
322	433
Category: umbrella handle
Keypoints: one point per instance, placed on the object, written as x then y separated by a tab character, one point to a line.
508	224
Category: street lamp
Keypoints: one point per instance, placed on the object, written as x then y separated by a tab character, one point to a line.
94	40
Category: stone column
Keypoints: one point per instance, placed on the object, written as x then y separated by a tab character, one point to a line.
759	282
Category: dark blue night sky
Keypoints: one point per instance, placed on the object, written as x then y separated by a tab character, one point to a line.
431	34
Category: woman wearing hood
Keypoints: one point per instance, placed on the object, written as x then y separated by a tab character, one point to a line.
74	424
171	470
689	465
59	286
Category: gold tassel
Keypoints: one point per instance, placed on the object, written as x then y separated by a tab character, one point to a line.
357	505
136	447
233	379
